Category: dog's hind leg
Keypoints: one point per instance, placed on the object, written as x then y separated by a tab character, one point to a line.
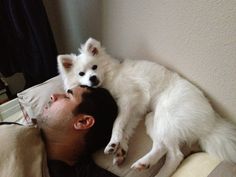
152	157
173	159
158	148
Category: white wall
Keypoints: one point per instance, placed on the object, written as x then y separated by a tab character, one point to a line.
196	38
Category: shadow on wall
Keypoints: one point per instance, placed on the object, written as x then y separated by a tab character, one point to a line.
54	9
73	21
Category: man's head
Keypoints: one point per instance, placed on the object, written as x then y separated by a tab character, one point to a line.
82	111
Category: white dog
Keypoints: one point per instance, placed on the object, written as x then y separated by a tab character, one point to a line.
176	111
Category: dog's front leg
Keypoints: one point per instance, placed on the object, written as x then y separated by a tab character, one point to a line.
131	112
118	144
122	130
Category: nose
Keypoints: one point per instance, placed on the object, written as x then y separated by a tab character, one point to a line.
94	80
55	97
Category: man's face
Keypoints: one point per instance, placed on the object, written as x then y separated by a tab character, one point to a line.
57	114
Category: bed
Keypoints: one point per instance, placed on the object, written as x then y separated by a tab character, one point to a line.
30	102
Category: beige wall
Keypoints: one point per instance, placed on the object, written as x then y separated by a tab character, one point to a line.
196	38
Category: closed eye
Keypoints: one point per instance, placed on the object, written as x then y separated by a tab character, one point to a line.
66	97
68	94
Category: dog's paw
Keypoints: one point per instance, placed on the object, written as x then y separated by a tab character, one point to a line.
140	166
119	156
111	148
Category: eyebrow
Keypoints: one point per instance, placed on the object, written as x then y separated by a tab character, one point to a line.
70	91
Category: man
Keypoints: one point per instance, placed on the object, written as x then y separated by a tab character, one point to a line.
74	125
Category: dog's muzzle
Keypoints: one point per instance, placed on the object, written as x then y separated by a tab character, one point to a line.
94	81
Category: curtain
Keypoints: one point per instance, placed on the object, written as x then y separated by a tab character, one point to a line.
26	41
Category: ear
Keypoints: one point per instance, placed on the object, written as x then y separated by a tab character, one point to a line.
65	62
92	46
84	122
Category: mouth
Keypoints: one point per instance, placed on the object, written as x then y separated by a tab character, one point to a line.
91	86
96	83
48	105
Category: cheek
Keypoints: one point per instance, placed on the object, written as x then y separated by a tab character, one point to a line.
57	117
100	75
54	110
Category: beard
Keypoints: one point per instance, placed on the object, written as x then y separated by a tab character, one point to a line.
41	120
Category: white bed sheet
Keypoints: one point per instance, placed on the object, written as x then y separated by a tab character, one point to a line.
11	111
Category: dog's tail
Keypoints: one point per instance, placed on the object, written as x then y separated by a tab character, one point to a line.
221	141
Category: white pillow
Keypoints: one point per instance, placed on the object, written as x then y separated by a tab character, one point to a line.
33	99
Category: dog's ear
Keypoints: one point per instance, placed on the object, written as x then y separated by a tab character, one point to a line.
65	62
92	46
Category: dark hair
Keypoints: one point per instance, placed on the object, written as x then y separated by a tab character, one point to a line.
98	103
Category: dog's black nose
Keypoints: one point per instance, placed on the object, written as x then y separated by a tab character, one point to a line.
94	80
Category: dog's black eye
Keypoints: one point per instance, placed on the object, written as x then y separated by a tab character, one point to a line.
81	73
94	67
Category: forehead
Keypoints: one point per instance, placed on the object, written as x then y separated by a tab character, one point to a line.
77	92
84	60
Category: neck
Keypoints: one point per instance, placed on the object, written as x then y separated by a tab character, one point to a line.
113	65
67	149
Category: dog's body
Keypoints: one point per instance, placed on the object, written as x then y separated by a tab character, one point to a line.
176	111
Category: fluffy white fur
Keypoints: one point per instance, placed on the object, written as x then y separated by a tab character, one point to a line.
176	111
